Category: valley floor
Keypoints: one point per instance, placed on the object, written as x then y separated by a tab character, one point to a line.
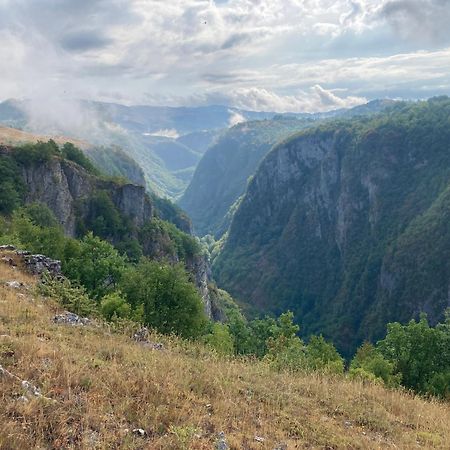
98	385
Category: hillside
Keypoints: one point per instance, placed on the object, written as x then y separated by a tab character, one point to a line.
13	136
166	142
222	174
221	177
75	200
347	225
109	160
138	131
98	388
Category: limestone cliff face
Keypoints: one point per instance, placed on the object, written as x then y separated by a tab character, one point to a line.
347	226
61	184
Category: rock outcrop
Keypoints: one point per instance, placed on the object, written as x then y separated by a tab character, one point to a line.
66	188
61	185
34	264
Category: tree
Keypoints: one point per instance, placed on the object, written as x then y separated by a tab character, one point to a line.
41	215
35	238
96	265
322	355
72	153
220	339
114	306
12	186
171	302
286	351
419	352
369	361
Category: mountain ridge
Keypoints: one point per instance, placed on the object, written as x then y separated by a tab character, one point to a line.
325	210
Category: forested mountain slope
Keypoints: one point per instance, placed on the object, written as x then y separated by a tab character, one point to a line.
347	225
223	172
62	183
221	176
166	142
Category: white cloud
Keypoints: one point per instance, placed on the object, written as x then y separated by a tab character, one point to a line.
168	133
272	53
235	118
259	99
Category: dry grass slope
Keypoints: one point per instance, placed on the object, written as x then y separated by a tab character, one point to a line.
101	384
12	136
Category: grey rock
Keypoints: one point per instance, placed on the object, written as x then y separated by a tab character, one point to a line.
7	248
38	264
141	336
15	284
69	318
31	389
60	184
281	446
221	443
9	261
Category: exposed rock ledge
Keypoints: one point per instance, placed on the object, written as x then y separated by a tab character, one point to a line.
34	264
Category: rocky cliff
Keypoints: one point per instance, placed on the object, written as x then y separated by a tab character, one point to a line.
222	175
72	194
347	225
61	184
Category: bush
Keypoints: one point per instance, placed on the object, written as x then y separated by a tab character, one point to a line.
41	215
41	152
419	353
288	354
72	153
35	238
323	356
285	350
12	188
73	298
113	306
103	218
369	360
220	339
170	301
96	264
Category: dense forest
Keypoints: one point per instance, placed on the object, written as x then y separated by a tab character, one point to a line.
346	225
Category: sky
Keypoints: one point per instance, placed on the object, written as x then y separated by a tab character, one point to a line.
268	55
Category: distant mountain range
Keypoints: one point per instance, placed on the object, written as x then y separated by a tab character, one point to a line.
167	142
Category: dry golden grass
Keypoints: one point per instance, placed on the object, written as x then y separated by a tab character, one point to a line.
12	136
101	384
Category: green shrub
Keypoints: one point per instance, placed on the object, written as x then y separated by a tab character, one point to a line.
220	339
370	360
12	188
72	153
73	298
31	154
323	356
113	306
35	238
419	353
171	303
95	264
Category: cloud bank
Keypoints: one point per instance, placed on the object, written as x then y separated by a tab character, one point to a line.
284	55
